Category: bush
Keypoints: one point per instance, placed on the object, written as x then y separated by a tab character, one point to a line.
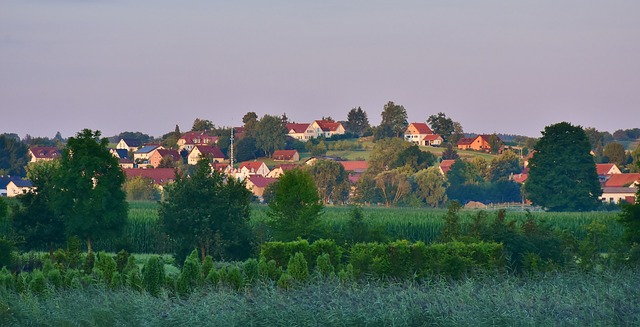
6	253
298	267
153	275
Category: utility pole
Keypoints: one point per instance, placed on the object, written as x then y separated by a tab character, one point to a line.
231	149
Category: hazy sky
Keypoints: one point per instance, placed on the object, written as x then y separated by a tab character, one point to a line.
146	65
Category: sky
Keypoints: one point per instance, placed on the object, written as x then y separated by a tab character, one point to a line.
146	65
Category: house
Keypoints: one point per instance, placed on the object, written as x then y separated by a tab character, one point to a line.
279	170
222	168
519	178
432	140
18	187
158	176
302	132
416	132
126	163
191	139
4	181
607	169
617	194
623	180
120	153
212	152
286	155
157	155
326	128
129	144
43	153
249	168
257	184
478	143
141	156
356	166
445	166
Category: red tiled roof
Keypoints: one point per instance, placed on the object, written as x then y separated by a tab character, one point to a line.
168	152
358	166
431	137
604	169
212	151
44	152
286	167
445	165
159	176
619	180
261	181
520	178
297	128
328	126
284	154
219	167
202	137
466	140
251	165
422	128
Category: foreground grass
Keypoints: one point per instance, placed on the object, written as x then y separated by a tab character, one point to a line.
561	299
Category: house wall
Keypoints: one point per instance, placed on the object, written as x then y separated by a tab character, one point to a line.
14	190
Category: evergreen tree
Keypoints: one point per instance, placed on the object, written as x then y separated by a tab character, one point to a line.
357	121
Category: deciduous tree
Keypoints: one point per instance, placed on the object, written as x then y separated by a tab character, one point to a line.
270	134
331	180
432	186
441	124
616	154
503	166
13	156
394	118
562	173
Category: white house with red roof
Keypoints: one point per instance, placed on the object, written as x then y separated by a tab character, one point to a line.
212	152
191	139
302	132
286	155
249	168
279	170
327	128
43	153
607	169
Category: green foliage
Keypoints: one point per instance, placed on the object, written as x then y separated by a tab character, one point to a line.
503	166
615	153
201	125
105	267
153	275
394	120
89	262
190	275
357	121
562	175
331	180
270	134
141	189
14	156
206	211
88	191
232	277
431	186
630	220
357	229
441	124
452	227
6	252
324	267
298	267
295	209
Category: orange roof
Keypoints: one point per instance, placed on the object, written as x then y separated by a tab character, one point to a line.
520	178
422	128
328	126
356	166
620	180
297	128
603	169
159	176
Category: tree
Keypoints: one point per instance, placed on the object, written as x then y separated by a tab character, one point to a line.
450	153
481	167
88	192
34	220
295	209
141	188
13	156
207	211
250	121
616	154
201	125
503	166
441	124
596	140
495	144
458	133
415	158
385	154
562	173
270	134
246	149
143	138
432	186
394	184
394	119
331	180
357	121
630	219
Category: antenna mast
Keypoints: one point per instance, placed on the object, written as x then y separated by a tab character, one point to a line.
231	149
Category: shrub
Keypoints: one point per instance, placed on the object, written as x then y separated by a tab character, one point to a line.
153	276
324	267
285	281
298	267
190	277
6	253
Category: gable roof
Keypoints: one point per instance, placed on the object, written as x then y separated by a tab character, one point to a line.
432	137
131	142
251	165
422	128
5	180
620	180
21	183
286	167
169	152
219	167
284	154
297	128
604	169
44	152
261	181
122	153
159	176
198	138
328	126
207	150
445	165
466	140
356	166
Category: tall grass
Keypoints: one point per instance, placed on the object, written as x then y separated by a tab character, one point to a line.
561	299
